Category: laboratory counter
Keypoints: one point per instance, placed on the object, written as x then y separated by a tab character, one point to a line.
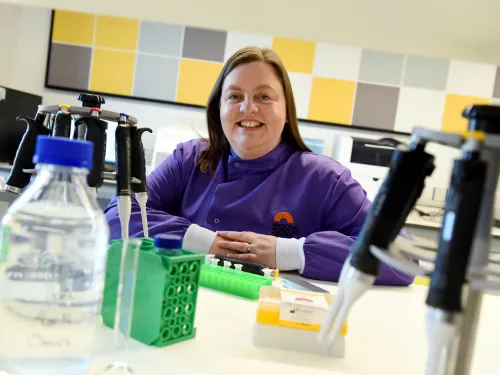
386	336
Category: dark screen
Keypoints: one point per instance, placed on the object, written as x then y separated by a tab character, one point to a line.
15	103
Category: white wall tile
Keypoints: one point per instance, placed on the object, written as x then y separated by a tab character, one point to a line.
301	86
419	107
236	40
470	78
337	61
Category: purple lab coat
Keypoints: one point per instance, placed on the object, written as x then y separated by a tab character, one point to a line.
285	193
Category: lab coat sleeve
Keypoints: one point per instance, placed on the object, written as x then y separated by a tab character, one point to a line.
325	252
166	185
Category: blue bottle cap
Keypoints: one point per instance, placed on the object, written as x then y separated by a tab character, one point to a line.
168	241
64	152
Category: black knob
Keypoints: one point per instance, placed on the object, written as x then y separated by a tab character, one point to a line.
91	100
484	118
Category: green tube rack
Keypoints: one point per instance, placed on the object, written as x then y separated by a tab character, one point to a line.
228	280
166	294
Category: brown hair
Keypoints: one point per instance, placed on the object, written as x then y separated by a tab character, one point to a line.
218	145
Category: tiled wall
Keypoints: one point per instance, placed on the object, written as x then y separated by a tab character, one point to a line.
332	83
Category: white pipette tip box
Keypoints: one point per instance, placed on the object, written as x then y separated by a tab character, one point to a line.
291	319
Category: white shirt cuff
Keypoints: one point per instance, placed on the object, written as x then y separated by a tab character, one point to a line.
198	239
290	254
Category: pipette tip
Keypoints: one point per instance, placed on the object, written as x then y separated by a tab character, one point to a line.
352	284
267	272
441	327
142	199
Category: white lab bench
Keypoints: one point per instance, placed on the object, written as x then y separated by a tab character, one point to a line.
386	336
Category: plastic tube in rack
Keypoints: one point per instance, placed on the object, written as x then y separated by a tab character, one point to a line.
227	265
268	272
238	267
208	258
214	261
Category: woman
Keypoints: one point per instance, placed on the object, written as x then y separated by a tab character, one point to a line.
253	190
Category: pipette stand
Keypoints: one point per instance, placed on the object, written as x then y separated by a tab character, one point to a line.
459	272
90	123
480	279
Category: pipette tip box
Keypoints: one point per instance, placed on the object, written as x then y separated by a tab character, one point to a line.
291	320
166	292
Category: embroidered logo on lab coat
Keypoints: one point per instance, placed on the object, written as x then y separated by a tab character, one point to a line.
284	225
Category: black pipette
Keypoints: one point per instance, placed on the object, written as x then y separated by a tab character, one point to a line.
62	122
95	132
123	173
402	187
18	179
444	297
138	172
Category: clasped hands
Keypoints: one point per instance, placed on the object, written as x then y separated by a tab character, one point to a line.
247	246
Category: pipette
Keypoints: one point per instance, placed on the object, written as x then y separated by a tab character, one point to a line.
444	297
95	132
62	122
123	177
138	173
18	179
403	185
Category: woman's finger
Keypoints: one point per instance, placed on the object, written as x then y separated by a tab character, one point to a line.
237	236
235	246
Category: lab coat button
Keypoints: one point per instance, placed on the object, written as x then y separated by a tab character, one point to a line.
236	165
216	221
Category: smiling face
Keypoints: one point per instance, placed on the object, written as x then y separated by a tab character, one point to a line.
253	109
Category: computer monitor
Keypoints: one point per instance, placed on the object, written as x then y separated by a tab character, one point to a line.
14	103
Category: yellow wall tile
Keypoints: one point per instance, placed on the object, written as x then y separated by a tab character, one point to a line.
64	29
455	105
115	32
297	55
112	72
196	79
332	100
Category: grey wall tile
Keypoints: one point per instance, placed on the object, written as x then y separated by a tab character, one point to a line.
156	77
204	44
375	106
69	66
381	67
161	38
426	72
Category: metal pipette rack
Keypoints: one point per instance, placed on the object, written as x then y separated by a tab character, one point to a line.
461	270
90	123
